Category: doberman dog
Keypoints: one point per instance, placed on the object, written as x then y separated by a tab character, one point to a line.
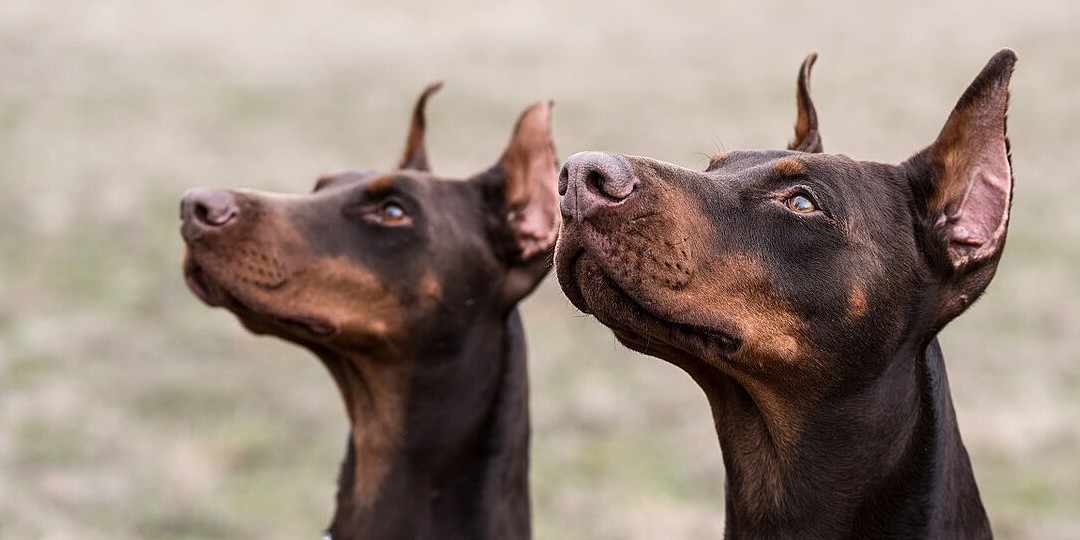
804	292
405	285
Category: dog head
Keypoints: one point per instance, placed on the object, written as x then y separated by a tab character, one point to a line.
383	262
787	265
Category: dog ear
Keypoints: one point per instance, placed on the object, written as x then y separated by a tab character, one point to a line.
807	138
415	156
963	185
522	189
530	182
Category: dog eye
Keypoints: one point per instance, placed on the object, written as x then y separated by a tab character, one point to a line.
388	213
800	204
392	213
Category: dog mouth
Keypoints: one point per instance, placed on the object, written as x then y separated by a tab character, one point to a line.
197	282
256	314
596	291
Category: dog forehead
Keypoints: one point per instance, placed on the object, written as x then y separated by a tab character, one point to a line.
376	180
336	179
756	169
428	191
743	160
837	172
862	184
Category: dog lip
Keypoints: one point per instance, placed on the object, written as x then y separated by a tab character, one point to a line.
699	335
680	334
575	245
196	280
312	325
216	295
190	232
571	284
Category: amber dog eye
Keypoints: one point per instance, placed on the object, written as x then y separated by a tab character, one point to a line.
800	203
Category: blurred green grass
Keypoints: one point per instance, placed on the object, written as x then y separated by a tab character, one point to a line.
129	410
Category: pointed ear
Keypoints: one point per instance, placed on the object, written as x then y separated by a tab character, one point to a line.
807	138
530	182
964	184
415	156
523	192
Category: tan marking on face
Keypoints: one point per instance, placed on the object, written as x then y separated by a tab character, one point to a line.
351	297
719	155
328	176
654	252
429	291
789	166
735	288
379	184
856	302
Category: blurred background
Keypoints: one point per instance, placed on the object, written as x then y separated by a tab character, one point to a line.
130	410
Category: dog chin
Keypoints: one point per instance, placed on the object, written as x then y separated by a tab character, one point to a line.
252	314
595	292
200	283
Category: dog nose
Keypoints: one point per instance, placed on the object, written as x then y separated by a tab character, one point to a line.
590	181
204	209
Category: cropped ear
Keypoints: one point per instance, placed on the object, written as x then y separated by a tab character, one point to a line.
415	156
523	193
807	138
530	182
963	184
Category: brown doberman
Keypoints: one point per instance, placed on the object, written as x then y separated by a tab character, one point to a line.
804	293
405	285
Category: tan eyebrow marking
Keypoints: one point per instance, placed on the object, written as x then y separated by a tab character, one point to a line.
789	166
856	302
379	184
328	176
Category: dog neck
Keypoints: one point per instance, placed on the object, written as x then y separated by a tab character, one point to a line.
460	469
859	465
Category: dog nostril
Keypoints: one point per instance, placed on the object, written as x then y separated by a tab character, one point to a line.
211	208
595	181
615	185
203	214
214	215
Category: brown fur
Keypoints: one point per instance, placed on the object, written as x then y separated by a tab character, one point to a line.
405	285
812	328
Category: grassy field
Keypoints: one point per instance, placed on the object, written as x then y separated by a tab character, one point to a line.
129	410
